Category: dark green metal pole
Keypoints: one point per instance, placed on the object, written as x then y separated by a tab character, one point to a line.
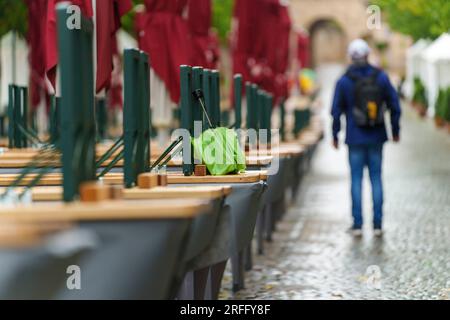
136	116
101	117
197	84
208	95
268	116
24	98
55	107
131	98
283	120
77	103
261	113
186	117
261	107
238	100
250	105
2	125
17	118
254	111
215	101
146	119
11	103
144	116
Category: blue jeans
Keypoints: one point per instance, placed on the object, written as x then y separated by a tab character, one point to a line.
371	156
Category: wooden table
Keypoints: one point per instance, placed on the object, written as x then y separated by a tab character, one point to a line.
151	236
18	158
54	193
104	211
55	179
15	235
247	177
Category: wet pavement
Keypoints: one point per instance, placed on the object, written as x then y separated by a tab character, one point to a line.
313	257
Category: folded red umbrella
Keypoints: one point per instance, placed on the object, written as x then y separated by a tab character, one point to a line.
163	34
108	14
262	59
242	37
204	45
282	39
37	12
303	50
252	54
42	39
114	95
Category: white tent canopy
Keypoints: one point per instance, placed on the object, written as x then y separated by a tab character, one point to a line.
439	49
14	65
436	72
413	64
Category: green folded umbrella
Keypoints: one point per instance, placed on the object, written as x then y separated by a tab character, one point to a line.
220	151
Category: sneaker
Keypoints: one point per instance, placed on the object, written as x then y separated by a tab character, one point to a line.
378	232
356	232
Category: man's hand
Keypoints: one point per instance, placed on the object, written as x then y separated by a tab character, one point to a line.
336	144
396	139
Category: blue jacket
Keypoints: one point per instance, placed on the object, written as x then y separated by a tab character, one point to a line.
344	101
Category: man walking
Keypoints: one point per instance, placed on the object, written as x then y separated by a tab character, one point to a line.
363	94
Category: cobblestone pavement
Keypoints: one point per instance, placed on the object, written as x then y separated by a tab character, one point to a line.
312	256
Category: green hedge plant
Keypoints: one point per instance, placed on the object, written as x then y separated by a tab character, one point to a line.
419	98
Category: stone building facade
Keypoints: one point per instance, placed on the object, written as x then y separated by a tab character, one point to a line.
332	24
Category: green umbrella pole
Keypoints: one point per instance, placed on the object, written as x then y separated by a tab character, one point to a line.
166	152
198	94
29	135
119	143
31	166
174	154
37	179
111	164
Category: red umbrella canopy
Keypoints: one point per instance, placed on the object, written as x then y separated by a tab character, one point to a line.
204	46
260	41
42	40
282	38
303	50
246	25
163	34
114	95
181	6
261	44
108	14
37	13
199	17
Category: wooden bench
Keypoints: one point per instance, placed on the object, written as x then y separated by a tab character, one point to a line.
54	193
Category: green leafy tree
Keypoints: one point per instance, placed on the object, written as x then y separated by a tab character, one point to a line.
13	16
221	18
417	18
128	20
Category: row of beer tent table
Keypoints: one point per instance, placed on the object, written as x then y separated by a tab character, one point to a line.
137	244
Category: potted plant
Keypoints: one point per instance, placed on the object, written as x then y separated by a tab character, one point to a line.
419	99
446	112
439	117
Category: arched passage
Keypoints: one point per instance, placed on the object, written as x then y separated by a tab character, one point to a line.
328	42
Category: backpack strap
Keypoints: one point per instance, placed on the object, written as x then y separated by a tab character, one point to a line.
355	77
375	74
352	76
